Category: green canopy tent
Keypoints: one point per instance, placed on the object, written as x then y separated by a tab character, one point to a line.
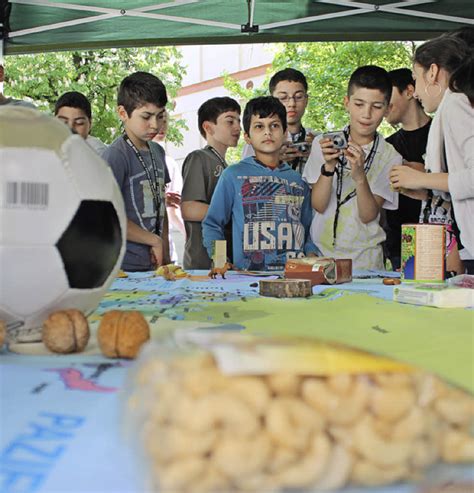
30	26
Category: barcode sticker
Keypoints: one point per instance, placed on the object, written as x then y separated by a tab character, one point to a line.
26	194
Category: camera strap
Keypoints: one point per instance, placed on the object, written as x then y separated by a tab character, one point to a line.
299	136
342	163
298	163
152	182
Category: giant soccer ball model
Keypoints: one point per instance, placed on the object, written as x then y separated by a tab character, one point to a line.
62	222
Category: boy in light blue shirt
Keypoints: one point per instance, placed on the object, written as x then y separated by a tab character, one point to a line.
268	202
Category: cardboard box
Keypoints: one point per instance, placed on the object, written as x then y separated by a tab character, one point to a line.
423	252
438	295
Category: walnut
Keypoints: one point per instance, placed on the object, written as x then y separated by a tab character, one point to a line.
66	331
122	333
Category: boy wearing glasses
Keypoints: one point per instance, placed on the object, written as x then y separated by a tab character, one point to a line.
291	88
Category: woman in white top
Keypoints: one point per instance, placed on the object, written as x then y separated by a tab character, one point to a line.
444	74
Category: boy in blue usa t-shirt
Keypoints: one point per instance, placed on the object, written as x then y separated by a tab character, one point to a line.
268	202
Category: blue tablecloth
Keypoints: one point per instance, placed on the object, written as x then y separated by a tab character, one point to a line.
61	415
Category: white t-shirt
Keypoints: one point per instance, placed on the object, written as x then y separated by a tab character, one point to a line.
96	144
354	239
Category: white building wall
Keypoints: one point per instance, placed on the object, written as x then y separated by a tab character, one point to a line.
204	63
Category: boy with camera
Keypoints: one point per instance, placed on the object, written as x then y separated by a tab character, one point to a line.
349	171
291	88
268	202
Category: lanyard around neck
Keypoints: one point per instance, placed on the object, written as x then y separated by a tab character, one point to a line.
153	183
218	156
342	163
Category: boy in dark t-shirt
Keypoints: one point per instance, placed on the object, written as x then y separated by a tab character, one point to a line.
409	141
219	124
140	170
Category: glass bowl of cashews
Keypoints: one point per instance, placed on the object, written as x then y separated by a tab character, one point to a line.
254	415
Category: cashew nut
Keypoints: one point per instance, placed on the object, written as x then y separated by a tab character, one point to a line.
337	408
236	457
383	453
429	388
391	403
340	384
203	381
342	435
251	390
337	470
393	379
284	384
456	408
174	406
310	468
411	426
425	453
212	481
170	443
369	474
257	483
169	400
224	411
457	446
291	421
181	474
281	458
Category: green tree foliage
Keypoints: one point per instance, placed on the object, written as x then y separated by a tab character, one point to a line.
42	78
327	67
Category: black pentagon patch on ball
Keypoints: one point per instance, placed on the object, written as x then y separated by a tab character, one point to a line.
90	245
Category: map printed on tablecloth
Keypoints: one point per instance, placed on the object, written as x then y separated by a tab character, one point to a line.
360	314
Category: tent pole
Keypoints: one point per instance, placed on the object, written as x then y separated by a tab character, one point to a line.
250	27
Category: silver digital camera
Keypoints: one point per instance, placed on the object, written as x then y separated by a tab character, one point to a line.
339	140
301	146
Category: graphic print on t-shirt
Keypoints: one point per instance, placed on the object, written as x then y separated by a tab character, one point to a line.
272	221
143	202
148	204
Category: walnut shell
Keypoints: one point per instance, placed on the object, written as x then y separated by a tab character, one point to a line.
3	333
122	333
66	331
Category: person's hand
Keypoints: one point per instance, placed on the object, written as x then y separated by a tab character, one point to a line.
415	165
330	154
173	199
310	137
288	153
356	158
156	252
406	177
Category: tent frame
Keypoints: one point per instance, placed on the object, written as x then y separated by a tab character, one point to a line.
351	8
